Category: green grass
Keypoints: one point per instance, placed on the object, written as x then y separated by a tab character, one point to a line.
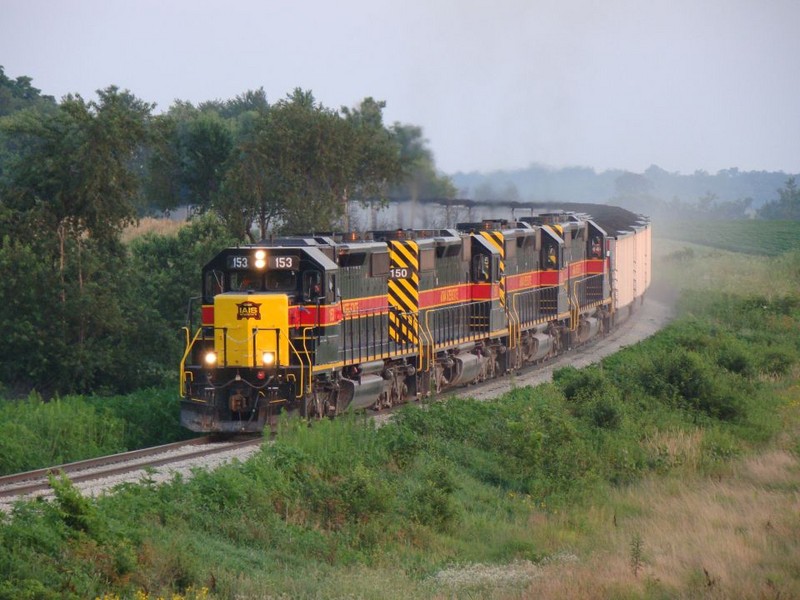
768	238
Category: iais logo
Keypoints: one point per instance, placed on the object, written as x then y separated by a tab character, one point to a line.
248	310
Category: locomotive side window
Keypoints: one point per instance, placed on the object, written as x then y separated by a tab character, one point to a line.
427	259
312	285
284	281
214	283
352	259
550	256
481	268
380	264
596	247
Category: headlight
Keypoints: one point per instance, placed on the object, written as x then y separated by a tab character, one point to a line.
261	259
211	358
268	358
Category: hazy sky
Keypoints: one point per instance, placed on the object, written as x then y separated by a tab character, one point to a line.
495	84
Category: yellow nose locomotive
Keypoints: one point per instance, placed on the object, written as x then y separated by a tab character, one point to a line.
267	314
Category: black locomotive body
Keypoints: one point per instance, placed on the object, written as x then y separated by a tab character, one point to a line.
320	324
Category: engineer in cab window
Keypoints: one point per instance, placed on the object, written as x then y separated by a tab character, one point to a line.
483	271
597	249
552	259
314	286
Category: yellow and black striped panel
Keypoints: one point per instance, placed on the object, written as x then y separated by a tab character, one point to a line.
496	239
403	291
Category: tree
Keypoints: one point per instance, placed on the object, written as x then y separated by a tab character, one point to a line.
632	185
188	157
249	193
300	162
66	196
377	155
707	202
787	207
248	102
163	186
419	178
205	144
18	94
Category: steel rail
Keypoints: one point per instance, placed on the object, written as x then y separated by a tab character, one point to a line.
21	484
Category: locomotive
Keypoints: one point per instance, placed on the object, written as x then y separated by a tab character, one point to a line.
320	324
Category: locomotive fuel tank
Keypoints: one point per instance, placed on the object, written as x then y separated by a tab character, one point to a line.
467	368
361	393
541	346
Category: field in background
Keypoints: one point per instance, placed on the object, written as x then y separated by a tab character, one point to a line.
765	238
152	225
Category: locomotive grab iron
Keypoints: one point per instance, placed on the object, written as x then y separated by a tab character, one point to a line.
321	324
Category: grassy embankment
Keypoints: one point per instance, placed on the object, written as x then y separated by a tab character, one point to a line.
35	434
670	471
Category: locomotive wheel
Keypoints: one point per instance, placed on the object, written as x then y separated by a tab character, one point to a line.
312	406
398	395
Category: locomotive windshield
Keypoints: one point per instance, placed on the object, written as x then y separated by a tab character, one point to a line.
264	281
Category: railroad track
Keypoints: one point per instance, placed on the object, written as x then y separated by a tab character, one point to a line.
107	471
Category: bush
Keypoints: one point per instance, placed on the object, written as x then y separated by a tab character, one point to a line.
430	500
593	396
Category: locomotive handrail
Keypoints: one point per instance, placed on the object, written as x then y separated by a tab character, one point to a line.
575	311
303	384
189	346
425	350
189	311
467	309
513	324
356	336
277	332
536	295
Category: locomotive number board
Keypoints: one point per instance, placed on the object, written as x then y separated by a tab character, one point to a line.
240	262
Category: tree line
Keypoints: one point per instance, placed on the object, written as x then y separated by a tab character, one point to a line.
84	311
728	194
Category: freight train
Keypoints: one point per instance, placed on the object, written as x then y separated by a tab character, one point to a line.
321	324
